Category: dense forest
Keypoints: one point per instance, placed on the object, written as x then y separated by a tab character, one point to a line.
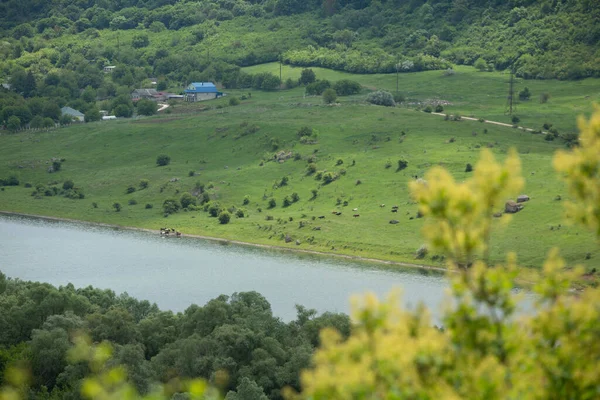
55	51
237	334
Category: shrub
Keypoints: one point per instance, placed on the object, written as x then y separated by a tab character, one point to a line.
439	108
170	206
224	217
307	76
346	87
246	200
117	207
68	184
132	202
234	101
329	177
428	109
402	164
284	181
304	131
272	203
480	65
399	98
287	201
163	160
388	164
94	205
148	206
295	197
421	252
547	126
187	200
544	97
146	107
311	168
314	194
515	119
317	88
468	168
524	94
381	98
130	189
339	162
329	96
56	166
240	213
144	183
213	208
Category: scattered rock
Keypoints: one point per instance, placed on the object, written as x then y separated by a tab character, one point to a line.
498	214
522	198
394	221
173	179
512	207
288	238
298	243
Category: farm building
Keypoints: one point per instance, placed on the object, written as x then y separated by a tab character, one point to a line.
198	91
74	114
109	69
150	94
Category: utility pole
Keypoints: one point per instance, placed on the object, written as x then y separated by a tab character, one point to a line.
280	79
511	106
397	72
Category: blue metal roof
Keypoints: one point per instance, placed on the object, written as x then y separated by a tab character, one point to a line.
201	87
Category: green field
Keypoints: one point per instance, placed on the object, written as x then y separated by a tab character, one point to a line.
104	158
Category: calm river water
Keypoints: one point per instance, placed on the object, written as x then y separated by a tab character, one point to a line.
175	273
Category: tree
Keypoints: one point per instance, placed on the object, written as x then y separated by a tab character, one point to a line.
381	98
170	206
524	94
329	96
92	114
146	107
123	111
117	206
307	76
272	203
484	351
163	160
187	200
13	123
247	390
480	65
139	41
346	87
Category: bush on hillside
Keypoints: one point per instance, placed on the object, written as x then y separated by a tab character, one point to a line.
346	87
146	107
329	96
163	160
317	88
307	76
224	217
381	98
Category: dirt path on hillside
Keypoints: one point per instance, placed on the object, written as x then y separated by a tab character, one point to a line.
485	121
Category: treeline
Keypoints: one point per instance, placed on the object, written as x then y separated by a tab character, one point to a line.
237	334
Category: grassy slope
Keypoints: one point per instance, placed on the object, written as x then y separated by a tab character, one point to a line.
479	94
104	158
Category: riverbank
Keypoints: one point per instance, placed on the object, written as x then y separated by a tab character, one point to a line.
235	242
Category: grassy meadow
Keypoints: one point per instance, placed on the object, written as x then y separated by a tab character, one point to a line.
104	158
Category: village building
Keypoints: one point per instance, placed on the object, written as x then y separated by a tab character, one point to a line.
150	94
198	91
109	68
74	114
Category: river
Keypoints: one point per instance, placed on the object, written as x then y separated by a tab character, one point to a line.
176	272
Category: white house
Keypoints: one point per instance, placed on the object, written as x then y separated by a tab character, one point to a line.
74	114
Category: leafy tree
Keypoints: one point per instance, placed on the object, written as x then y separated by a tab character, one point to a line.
68	184
329	96
123	111
307	76
247	390
139	41
163	160
13	123
346	87
481	65
317	88
117	206
146	107
272	203
92	114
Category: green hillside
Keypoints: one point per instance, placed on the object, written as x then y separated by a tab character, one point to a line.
230	152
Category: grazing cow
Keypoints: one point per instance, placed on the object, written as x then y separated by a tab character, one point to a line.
382	205
356	215
394	210
355	209
178	234
321	216
334	212
396	207
338	213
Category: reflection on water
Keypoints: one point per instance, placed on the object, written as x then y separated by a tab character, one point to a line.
175	273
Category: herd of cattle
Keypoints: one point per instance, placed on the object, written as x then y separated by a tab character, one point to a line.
335	212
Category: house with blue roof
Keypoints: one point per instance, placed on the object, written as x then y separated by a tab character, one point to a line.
198	91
